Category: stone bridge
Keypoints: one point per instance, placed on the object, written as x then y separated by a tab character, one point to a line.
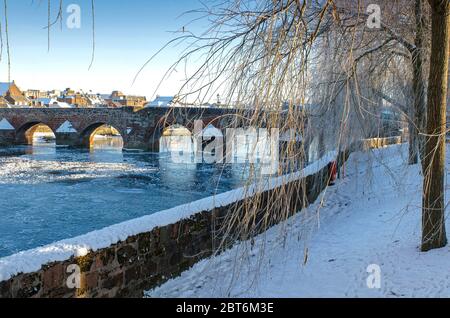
139	129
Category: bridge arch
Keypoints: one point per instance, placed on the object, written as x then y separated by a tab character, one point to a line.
90	134
26	133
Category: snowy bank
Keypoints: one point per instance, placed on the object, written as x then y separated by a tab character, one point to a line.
370	220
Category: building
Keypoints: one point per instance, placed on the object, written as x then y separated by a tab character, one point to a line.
77	99
54	93
13	95
32	93
44	94
50	103
96	100
35	94
4	103
57	104
68	91
118	99
134	101
117	95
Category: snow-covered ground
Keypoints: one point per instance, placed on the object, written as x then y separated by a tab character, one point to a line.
372	216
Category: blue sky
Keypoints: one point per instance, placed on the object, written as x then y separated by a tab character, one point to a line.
127	34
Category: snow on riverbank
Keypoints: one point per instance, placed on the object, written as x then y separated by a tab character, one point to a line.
373	216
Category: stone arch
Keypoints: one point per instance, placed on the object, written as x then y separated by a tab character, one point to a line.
25	133
87	134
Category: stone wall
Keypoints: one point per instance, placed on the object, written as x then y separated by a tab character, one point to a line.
144	261
7	137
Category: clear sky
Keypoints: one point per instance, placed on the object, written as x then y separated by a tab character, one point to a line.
127	34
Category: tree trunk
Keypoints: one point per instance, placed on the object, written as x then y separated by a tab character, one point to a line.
417	141
433	206
413	157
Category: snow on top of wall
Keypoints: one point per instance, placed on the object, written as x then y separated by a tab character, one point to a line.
5	125
66	127
32	260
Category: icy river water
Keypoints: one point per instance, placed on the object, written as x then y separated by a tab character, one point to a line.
50	193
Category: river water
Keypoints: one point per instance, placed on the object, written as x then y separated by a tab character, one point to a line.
49	193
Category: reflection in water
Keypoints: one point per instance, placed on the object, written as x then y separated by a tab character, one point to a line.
172	173
44	143
106	148
176	143
107	143
176	139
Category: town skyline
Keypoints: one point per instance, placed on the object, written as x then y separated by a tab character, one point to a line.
12	96
82	90
43	88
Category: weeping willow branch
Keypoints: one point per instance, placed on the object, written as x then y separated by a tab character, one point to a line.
311	69
1	42
7	40
49	6
93	34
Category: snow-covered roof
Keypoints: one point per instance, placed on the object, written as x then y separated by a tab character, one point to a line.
161	101
57	104
96	99
46	101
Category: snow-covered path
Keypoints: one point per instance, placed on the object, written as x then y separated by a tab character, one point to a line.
372	216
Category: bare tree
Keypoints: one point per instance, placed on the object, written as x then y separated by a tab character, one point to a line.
318	63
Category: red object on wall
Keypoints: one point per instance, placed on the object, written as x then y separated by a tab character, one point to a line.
333	171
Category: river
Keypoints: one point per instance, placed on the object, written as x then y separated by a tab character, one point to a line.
49	193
